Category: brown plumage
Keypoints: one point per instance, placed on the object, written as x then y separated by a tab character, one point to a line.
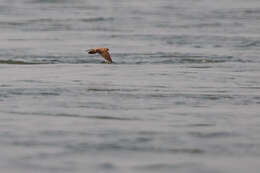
103	52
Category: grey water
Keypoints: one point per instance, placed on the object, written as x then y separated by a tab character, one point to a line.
183	95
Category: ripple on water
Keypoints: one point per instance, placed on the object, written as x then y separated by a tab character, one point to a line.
84	146
211	134
107	166
132	58
168	167
15	62
98	117
31	92
202	125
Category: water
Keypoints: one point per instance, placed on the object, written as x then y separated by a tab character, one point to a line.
183	95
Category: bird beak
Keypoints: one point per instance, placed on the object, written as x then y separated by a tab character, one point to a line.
89	50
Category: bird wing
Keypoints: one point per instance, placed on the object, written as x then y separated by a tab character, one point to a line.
106	55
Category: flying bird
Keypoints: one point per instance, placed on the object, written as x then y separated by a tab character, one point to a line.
103	52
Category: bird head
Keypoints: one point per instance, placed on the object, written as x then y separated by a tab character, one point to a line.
92	51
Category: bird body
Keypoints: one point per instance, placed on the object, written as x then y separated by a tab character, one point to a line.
103	52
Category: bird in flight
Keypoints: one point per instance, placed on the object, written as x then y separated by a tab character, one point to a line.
103	52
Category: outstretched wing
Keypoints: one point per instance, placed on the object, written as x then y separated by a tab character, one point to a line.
106	55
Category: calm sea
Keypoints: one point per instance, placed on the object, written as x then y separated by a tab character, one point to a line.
183	95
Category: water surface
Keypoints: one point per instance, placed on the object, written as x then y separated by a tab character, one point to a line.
183	95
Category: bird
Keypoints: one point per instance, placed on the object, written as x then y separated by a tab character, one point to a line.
103	52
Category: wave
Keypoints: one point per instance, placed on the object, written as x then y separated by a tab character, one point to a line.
64	115
173	58
55	20
16	62
248	44
49	1
55	24
96	19
120	58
